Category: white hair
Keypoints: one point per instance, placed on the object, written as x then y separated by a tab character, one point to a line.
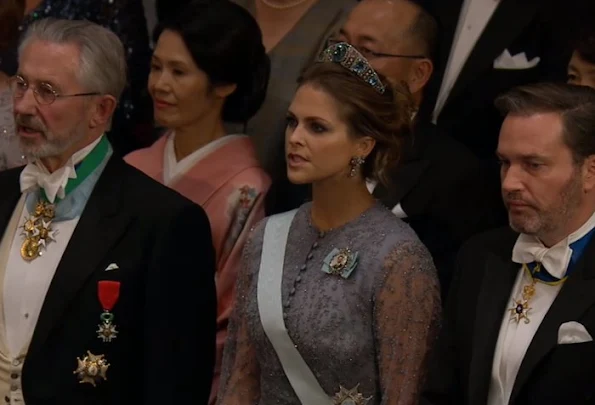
102	64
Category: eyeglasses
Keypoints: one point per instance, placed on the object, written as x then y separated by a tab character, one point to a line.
44	93
369	55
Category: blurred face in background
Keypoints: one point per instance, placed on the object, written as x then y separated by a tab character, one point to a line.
379	30
181	91
580	71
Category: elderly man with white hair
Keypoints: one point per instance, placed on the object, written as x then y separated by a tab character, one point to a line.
106	277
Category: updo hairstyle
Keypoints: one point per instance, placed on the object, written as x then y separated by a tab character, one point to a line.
385	117
226	44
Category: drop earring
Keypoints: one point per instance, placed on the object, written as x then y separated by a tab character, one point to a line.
355	163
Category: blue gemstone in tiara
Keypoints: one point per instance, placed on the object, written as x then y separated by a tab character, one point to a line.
350	58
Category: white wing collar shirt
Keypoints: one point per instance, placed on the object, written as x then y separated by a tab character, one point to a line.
25	282
515	337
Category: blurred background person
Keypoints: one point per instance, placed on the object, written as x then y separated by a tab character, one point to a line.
11	13
210	65
132	126
439	188
486	48
581	68
294	33
340	284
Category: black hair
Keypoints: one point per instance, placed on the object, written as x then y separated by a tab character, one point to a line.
584	43
225	42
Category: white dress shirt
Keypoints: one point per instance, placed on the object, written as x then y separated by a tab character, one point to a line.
514	338
174	169
474	17
26	283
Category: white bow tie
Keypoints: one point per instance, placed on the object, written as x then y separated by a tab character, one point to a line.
555	259
53	184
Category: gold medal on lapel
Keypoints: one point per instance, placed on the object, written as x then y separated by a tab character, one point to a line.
92	369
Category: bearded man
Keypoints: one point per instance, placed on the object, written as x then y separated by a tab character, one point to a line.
520	321
107	289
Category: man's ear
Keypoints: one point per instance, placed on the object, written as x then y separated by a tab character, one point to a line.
419	75
104	109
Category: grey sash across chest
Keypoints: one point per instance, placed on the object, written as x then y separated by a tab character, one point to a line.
270	308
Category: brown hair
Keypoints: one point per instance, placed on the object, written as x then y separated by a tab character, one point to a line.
11	16
385	117
575	104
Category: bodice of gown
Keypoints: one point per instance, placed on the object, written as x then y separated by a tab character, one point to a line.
342	325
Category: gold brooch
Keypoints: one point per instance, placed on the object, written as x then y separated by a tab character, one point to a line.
92	369
38	231
350	397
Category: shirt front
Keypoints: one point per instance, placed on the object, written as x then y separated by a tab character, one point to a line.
515	337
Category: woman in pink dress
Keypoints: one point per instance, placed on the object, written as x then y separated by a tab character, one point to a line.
210	66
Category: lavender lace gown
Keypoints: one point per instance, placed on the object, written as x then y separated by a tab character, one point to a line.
373	329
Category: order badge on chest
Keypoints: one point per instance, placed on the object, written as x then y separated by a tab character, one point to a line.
92	368
37	231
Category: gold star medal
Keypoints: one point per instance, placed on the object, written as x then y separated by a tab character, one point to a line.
520	307
350	397
92	369
37	231
108	292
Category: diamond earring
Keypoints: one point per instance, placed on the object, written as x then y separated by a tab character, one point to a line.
355	163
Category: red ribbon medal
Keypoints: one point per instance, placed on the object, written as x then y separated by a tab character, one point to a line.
108	293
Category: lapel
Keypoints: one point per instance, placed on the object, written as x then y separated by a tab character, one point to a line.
406	176
576	296
102	223
447	12
498	280
507	22
11	191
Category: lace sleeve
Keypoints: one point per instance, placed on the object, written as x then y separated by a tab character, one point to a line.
407	316
240	374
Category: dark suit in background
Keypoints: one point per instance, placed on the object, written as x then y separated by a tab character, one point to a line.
444	191
550	374
539	28
165	315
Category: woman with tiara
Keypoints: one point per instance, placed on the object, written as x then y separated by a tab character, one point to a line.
338	301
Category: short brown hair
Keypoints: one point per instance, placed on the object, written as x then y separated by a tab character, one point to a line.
11	16
575	104
385	117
